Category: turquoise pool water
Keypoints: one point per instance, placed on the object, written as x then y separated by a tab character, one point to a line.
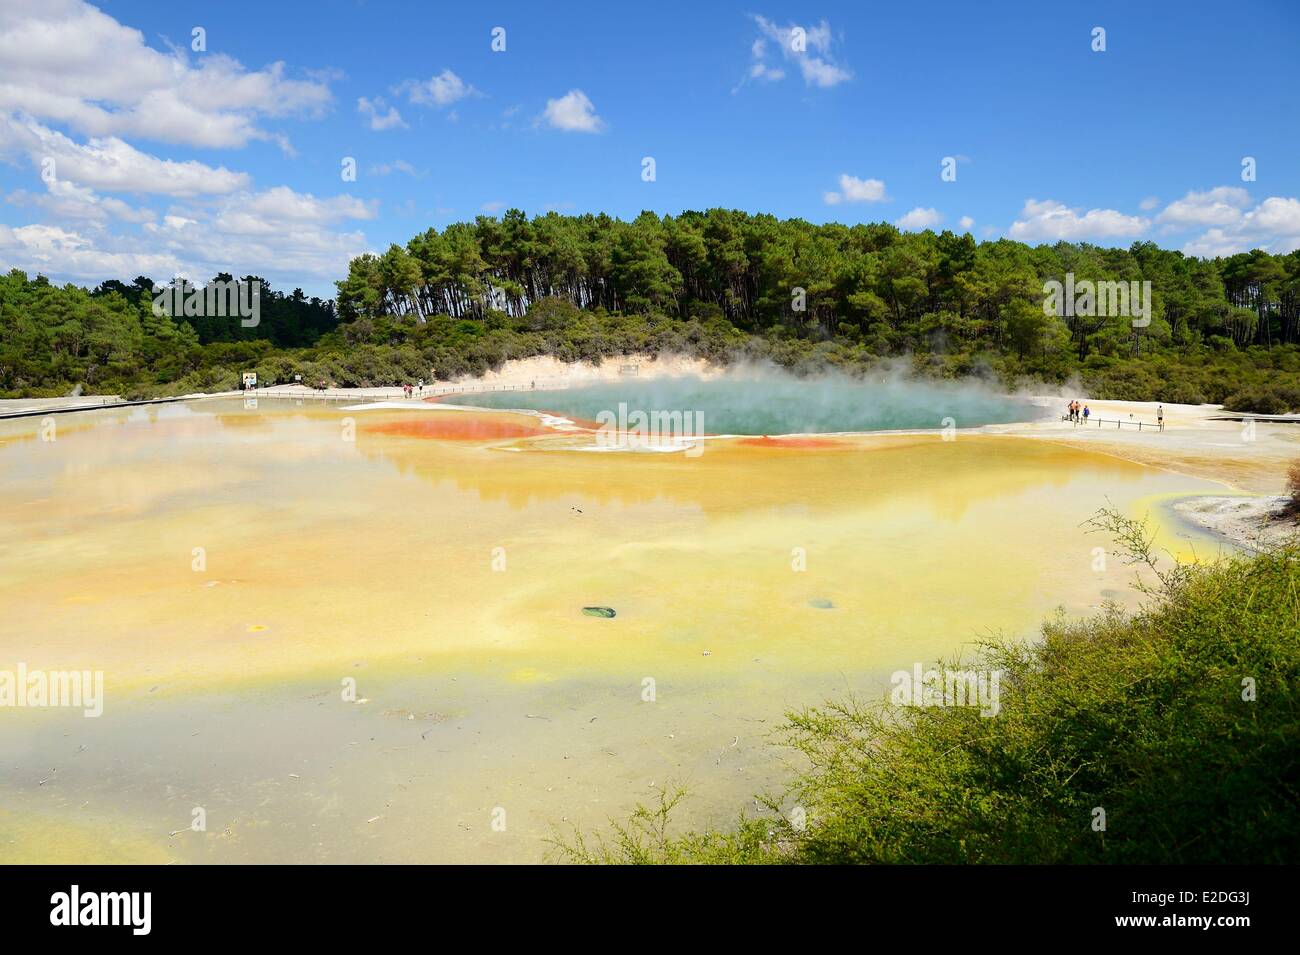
780	405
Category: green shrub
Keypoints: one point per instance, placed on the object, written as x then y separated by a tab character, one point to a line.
1266	399
1181	723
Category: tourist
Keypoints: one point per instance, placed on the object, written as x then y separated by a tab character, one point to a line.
1160	416
1086	412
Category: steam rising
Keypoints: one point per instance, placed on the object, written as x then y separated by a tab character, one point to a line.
767	402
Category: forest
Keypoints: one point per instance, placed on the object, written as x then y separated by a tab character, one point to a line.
720	284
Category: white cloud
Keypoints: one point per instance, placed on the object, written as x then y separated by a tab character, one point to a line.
1149	203
1216	243
277	233
292	252
966	223
397	165
75	85
379	120
1220	206
807	47
1275	214
66	62
1273	225
280	207
1231	224
820	73
111	164
64	200
54	251
919	219
274	232
759	68
507	116
441	90
1050	221
761	71
573	112
853	189
493	207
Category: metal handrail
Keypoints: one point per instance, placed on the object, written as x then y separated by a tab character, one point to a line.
1118	422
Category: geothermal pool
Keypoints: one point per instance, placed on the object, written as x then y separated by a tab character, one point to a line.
772	404
441	571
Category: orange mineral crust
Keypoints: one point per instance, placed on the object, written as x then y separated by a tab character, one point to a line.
461	427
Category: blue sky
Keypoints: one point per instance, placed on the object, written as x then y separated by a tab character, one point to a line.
124	151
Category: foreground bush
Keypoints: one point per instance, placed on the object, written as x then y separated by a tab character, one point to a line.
1181	723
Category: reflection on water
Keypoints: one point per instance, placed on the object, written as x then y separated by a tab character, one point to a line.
447	577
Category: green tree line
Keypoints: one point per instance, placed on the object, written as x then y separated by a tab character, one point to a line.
721	285
865	283
55	338
724	283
